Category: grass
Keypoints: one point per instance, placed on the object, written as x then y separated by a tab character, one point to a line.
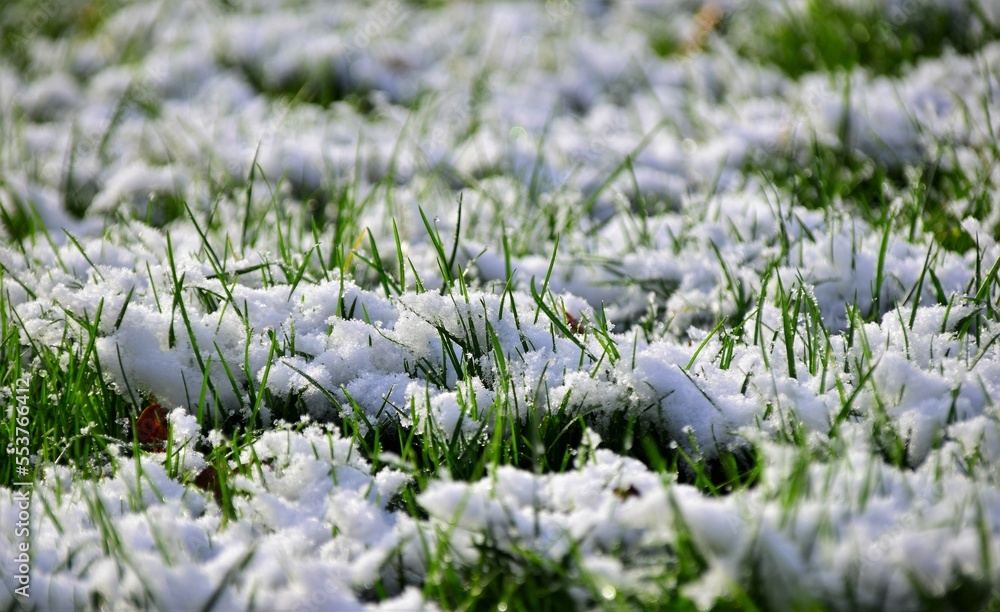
79	415
51	20
762	324
831	174
840	35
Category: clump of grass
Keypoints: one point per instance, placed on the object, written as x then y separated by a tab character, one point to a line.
938	194
837	35
74	415
20	221
23	20
322	86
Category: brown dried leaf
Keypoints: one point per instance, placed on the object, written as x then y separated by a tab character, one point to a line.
208	480
631	491
573	323
151	427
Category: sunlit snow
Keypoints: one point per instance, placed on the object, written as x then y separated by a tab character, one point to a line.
526	114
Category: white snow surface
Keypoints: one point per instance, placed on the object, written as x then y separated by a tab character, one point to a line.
523	111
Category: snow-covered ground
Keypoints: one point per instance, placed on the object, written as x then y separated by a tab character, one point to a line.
239	152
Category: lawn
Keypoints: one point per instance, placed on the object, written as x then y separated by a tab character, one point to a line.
575	304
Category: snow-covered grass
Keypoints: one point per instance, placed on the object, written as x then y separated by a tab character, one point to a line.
536	305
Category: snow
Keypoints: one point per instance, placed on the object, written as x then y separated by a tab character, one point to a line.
522	112
313	525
